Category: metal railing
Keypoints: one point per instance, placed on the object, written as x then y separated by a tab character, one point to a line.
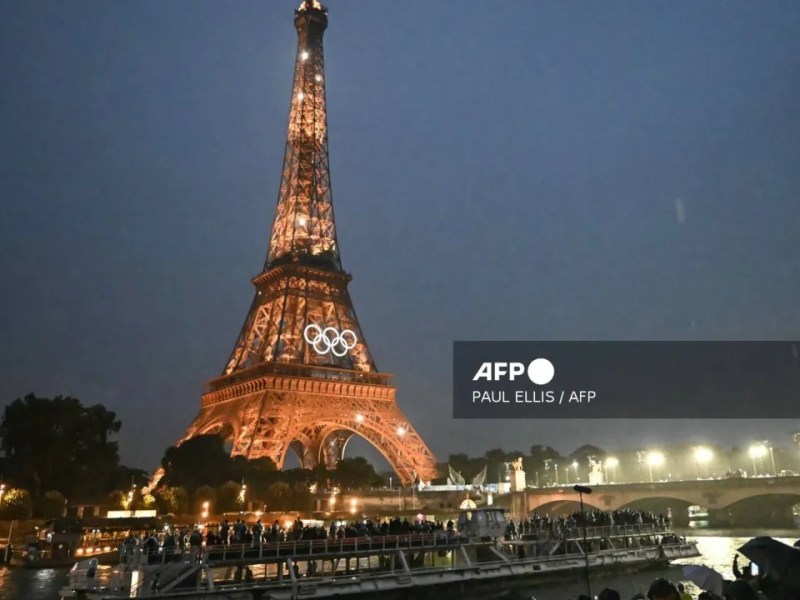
593	531
329	546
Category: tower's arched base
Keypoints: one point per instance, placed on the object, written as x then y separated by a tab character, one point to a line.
273	414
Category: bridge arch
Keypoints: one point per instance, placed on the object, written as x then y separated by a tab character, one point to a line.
560	506
759	510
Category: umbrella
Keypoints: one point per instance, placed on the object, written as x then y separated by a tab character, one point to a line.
775	558
703	577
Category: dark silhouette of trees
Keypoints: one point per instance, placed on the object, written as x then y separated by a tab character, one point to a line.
59	444
356	473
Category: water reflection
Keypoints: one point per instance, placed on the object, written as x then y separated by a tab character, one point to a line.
37	584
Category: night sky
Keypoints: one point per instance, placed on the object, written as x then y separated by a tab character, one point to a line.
500	170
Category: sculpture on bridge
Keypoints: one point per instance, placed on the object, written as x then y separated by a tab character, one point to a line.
455	478
595	472
480	478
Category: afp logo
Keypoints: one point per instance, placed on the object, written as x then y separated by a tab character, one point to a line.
540	371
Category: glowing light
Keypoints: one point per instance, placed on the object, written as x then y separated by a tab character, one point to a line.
359	418
301	221
79	551
612	462
574	464
655	459
317	77
703	454
758	451
353	501
107	549
300	95
304	55
401	431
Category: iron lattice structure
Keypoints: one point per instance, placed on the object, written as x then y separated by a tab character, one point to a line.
301	376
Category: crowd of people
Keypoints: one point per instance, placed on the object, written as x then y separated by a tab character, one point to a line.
537	524
239	532
747	584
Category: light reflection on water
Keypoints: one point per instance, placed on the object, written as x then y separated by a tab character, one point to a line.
718	553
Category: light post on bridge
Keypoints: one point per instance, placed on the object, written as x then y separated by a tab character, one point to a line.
771	458
758	451
702	455
654	459
612	463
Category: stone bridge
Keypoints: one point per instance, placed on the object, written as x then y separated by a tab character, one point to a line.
759	502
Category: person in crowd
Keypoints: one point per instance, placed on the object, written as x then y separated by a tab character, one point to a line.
608	594
663	589
682	591
740	590
743	573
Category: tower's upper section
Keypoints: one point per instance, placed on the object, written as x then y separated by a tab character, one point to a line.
303	230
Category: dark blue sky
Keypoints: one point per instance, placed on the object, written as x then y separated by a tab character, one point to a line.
501	170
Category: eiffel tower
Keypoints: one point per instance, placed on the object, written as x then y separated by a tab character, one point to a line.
301	376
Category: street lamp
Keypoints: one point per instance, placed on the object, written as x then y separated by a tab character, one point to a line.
640	459
611	462
771	457
654	459
757	451
702	456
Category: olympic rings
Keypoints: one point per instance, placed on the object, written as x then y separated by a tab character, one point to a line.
330	340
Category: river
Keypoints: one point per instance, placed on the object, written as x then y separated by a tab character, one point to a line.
717	550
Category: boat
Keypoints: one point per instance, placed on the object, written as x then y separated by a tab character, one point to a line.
60	542
474	555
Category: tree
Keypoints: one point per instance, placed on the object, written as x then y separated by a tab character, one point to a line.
51	505
201	460
16	504
356	473
117	499
301	497
172	500
228	497
59	444
279	496
205	493
582	454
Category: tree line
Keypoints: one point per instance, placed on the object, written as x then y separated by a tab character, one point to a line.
55	451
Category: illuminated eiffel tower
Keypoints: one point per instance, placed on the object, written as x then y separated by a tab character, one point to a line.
301	375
